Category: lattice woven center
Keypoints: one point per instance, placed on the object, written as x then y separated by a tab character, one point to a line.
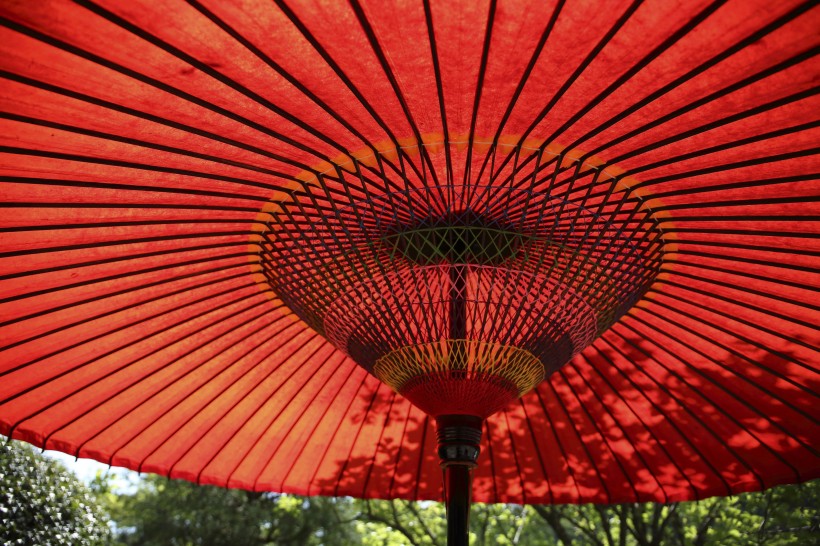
493	284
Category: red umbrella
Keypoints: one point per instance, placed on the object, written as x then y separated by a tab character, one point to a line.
618	196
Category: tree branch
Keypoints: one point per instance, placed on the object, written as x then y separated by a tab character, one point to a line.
603	515
661	532
395	524
549	516
414	509
703	528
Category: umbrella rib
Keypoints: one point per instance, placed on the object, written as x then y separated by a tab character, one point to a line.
77	344
135	257
716	362
727	186
671	86
525	75
238	429
488	435
635	69
425	425
656	407
754	78
637	415
276	67
399	451
577	434
137	206
242	266
301	451
604	441
753	325
260	363
745	246
431	37
99	336
150	117
140	143
482	70
378	444
158	85
117	276
778	280
295	421
742	202
747	305
775	264
784	156
753	220
235	363
538	454
176	191
362	422
557	441
670	393
255	412
717	123
113	395
514	453
746	114
611	33
755	362
681	136
570	81
342	76
718	408
209	70
796	302
134	223
138	240
385	65
335	431
135	166
65	396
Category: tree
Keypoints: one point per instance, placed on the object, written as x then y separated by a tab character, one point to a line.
161	511
178	513
42	503
782	516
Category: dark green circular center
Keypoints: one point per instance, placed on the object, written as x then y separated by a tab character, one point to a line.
452	241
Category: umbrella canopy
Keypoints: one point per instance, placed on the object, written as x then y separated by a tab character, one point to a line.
148	148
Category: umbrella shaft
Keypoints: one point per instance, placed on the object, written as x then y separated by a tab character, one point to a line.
458	484
459	439
458	302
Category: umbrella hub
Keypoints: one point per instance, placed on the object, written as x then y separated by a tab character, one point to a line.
461	376
460	296
465	237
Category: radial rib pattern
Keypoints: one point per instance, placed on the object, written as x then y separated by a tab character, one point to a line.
142	143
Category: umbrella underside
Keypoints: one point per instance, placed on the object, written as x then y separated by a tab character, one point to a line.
213	210
461	296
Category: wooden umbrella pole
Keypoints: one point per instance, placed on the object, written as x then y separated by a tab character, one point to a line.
458	435
458	480
459	439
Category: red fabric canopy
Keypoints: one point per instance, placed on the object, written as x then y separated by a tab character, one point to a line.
142	142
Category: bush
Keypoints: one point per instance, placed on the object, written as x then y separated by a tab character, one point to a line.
42	503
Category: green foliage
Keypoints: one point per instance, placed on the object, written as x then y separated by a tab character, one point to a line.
782	516
42	503
172	512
